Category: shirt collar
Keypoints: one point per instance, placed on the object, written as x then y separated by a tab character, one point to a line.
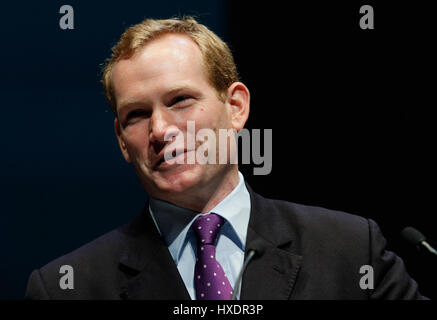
172	220
235	208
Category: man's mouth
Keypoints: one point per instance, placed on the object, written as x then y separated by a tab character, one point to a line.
174	159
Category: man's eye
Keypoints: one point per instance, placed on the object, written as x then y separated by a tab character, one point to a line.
180	100
137	115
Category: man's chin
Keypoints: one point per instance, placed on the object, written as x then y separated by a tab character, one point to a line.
176	180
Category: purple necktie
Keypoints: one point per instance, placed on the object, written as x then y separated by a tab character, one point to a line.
210	280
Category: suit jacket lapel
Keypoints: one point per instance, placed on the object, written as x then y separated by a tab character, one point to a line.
272	274
148	267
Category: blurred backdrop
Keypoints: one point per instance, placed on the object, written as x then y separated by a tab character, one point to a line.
350	110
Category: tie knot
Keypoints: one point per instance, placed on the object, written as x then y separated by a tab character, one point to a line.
207	228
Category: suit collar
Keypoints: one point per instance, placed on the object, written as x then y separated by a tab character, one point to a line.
278	264
150	272
170	219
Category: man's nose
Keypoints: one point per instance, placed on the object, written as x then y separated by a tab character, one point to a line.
161	127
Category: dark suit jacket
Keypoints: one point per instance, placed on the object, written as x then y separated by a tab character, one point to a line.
307	253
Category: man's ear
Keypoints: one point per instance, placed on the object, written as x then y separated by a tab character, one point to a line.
239	101
120	140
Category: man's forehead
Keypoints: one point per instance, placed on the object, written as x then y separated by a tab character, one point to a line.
176	48
167	58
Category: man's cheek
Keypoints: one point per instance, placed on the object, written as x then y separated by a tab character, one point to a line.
137	153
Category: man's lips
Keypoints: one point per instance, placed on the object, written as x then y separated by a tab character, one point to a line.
161	162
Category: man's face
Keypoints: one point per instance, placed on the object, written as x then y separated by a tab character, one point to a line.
157	91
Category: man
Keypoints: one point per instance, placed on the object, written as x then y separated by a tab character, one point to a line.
201	218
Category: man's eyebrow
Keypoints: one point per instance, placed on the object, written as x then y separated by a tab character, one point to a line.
177	89
174	91
128	103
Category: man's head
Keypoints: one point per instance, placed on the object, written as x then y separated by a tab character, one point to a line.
219	66
162	74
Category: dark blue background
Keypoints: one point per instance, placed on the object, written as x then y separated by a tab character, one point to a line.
63	179
351	113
